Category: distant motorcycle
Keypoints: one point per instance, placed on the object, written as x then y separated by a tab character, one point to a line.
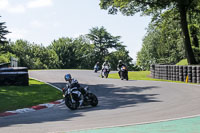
124	73
74	98
96	68
105	72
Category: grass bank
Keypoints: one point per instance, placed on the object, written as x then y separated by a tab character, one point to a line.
140	75
16	97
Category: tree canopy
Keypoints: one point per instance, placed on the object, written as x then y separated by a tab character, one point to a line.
65	53
156	8
3	32
103	41
164	40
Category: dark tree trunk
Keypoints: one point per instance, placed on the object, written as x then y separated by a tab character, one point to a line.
187	42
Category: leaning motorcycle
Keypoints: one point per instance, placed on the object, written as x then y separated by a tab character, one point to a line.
105	72
74	98
124	73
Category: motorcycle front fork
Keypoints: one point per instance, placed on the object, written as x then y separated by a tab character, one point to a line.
80	101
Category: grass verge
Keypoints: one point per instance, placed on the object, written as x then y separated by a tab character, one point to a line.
16	97
183	62
140	75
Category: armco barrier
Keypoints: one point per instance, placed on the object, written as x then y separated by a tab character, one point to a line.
14	76
176	73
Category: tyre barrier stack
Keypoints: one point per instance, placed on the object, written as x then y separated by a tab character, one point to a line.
194	74
152	67
189	73
176	73
14	76
2	65
180	73
185	68
198	74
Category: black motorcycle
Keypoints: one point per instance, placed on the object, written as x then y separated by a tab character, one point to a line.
124	73
74	98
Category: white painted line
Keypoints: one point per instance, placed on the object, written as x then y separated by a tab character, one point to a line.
48	84
132	124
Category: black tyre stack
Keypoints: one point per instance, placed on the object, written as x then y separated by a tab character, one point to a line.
171	69
169	73
174	73
152	69
190	74
185	68
177	73
180	73
14	76
157	71
161	72
194	74
198	74
165	72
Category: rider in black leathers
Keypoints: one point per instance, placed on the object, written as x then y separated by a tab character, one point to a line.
74	83
120	64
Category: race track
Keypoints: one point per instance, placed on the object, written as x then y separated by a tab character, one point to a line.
120	103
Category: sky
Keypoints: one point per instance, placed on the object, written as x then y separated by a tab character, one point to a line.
43	21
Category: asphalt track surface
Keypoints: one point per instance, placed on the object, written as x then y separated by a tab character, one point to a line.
120	103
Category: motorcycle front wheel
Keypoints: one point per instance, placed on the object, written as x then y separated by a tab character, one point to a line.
94	100
69	104
126	75
121	75
106	74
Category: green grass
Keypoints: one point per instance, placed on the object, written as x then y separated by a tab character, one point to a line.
140	75
183	62
16	97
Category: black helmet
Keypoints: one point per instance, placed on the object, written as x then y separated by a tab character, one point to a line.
68	77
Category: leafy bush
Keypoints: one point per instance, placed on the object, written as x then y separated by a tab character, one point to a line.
5	58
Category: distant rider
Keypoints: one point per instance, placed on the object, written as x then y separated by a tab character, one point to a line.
119	66
106	64
96	67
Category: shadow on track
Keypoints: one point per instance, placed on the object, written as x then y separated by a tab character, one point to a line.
110	97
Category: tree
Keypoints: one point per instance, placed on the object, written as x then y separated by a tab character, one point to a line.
65	50
103	41
32	56
120	54
162	43
3	32
155	8
85	53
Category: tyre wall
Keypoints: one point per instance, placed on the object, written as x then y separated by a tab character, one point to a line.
176	73
14	76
